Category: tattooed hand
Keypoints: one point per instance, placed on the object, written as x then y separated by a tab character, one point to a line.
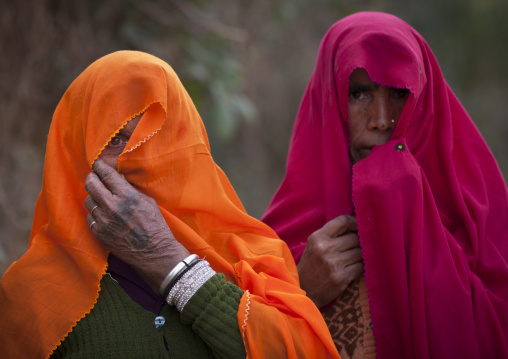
130	224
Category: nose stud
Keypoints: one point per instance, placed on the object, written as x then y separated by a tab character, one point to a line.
383	125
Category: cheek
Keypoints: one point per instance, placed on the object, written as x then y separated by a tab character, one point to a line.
356	116
109	156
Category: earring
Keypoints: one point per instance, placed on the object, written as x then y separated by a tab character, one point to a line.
393	121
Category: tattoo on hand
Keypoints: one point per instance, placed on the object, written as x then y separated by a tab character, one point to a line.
139	238
119	226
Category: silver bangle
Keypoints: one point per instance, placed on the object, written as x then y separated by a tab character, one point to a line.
175	272
189	284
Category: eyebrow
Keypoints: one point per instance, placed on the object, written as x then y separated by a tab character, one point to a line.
123	130
361	87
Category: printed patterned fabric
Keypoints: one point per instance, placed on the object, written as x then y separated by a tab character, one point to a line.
350	324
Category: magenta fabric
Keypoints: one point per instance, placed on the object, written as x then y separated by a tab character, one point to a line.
432	217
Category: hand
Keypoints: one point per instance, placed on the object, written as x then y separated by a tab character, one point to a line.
332	259
130	225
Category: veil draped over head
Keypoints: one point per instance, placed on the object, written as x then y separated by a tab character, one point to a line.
56	283
431	204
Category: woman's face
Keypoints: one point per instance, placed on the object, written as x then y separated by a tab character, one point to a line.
373	113
117	144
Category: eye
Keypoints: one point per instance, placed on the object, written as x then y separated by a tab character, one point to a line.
355	94
401	93
116	141
358	94
359	91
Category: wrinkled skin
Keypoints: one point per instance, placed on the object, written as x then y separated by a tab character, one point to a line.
332	258
129	223
374	111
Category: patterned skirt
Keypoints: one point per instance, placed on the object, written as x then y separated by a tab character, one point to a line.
350	324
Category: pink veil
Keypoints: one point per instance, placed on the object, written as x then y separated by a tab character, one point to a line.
432	218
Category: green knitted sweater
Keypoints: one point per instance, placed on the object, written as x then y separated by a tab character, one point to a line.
117	327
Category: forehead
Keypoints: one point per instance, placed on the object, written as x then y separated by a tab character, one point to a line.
130	126
360	75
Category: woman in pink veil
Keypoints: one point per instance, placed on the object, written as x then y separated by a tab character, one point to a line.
392	203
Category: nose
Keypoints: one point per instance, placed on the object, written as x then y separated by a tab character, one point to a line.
383	116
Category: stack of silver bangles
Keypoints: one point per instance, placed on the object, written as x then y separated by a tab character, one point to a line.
184	280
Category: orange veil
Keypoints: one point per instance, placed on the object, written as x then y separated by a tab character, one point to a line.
56	283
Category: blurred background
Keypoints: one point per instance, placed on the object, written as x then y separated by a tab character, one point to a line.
245	64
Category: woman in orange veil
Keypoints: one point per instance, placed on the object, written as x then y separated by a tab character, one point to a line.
166	163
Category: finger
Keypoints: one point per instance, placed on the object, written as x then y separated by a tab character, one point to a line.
346	242
110	177
97	191
355	270
90	204
351	257
342	260
340	225
92	223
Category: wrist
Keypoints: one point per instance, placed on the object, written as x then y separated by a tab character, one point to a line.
178	270
188	282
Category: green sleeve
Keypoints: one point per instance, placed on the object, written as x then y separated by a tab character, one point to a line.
212	312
